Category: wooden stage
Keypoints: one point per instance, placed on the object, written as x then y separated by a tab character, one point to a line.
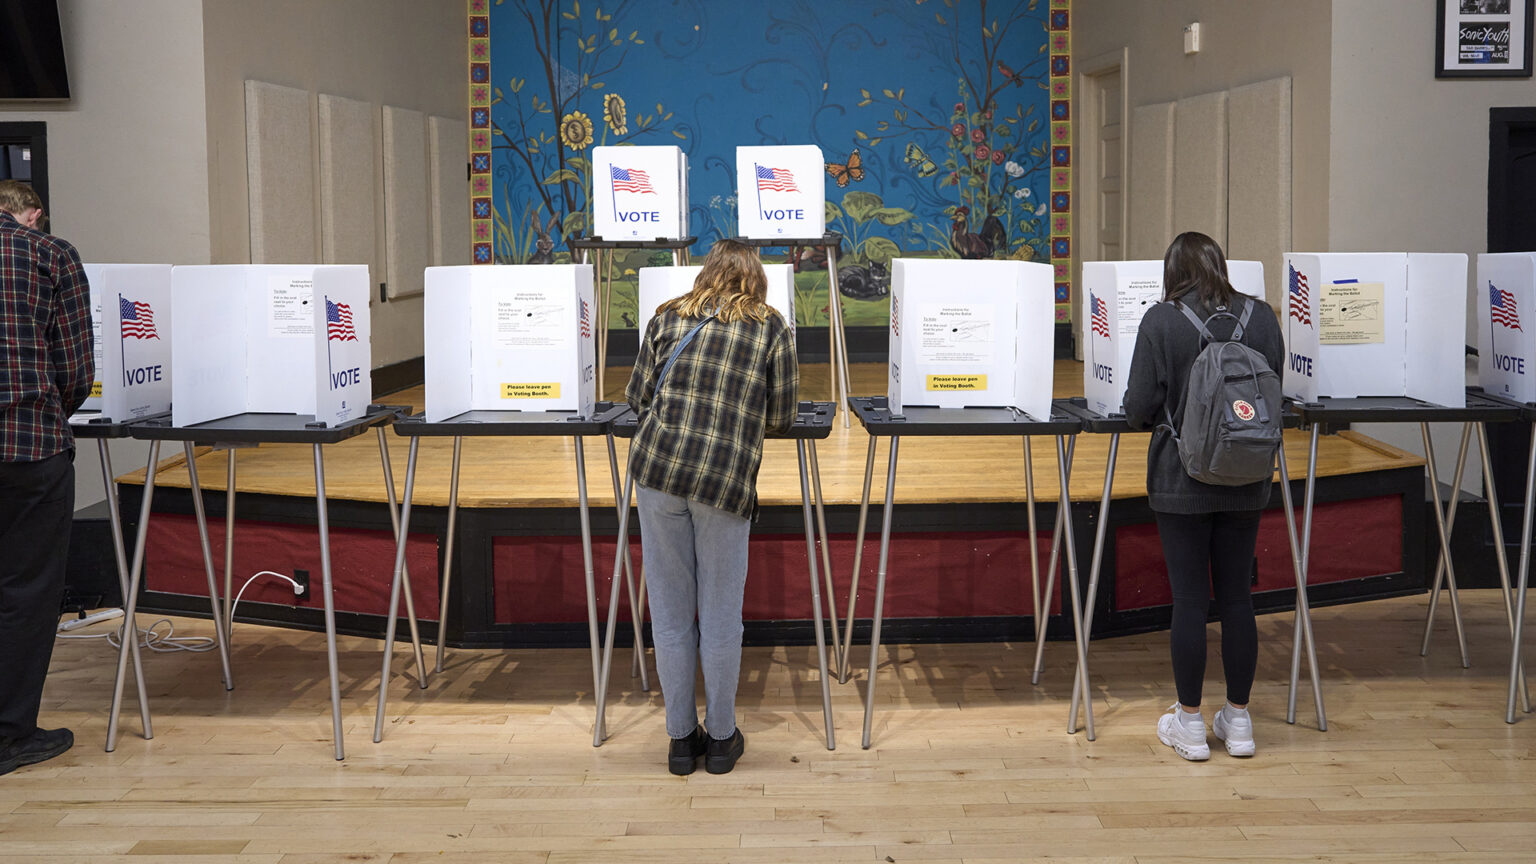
958	543
540	472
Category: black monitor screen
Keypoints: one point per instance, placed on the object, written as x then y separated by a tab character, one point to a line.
31	51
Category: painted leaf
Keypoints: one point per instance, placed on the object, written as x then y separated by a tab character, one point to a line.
892	215
862	205
881	249
834	212
561	176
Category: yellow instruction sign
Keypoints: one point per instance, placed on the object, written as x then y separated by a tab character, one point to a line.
95	389
531	390
957	382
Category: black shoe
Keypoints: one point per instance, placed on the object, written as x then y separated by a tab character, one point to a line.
42	746
721	756
683	755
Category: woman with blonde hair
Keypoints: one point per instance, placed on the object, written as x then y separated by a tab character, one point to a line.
715	372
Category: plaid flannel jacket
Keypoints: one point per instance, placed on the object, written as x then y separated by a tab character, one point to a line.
701	436
46	366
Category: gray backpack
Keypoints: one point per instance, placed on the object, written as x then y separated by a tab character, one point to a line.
1231	407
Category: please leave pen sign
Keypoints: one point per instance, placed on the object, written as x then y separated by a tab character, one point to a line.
957	382
549	390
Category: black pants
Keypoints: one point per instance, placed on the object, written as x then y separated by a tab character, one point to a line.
1208	552
37	508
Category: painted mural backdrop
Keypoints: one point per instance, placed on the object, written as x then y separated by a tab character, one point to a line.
934	117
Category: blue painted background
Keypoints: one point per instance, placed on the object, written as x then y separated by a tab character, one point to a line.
943	101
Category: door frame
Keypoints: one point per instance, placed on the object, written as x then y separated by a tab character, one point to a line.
1086	185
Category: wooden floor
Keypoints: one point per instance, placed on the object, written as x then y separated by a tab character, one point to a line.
540	472
970	762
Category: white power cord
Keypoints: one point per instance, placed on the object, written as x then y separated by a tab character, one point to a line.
150	637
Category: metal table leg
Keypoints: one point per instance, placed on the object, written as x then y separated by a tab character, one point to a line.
1080	633
1050	575
837	336
598	730
330	604
131	599
826	556
1302	630
401	533
885	548
601	726
405	572
858	560
1450	528
810	552
453	516
637	666
129	631
220	628
1495	522
1093	570
229	541
1445	545
1524	578
1036	603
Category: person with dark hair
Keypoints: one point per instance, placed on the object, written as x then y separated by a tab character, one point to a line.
1208	532
715	372
46	370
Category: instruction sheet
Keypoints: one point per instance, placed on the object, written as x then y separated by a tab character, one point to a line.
1351	313
531	320
290	310
956	334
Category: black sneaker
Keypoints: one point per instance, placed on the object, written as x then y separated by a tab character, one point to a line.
720	756
683	755
42	746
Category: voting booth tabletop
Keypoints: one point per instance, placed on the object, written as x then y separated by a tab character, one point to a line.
959	532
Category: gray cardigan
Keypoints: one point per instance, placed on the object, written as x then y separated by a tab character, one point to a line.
1166	346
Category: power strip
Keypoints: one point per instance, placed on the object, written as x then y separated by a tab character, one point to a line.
93	618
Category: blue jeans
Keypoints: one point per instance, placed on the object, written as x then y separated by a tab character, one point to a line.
695	565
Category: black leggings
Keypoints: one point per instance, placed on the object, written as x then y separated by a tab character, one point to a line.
1206	551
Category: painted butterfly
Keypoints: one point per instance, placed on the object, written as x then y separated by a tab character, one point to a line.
853	170
918	159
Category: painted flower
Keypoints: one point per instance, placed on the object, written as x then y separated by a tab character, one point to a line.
1027	191
1014	169
614	115
1021	193
957	130
1041	210
998	156
576	130
978	135
983	152
959	107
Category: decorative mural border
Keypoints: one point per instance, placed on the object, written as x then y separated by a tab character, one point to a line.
1061	154
481	228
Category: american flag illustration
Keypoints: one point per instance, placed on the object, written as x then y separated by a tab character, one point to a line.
895	317
1502	304
1100	315
586	320
630	180
138	319
338	322
1301	304
775	179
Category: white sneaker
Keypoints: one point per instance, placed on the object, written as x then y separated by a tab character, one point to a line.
1185	733
1234	728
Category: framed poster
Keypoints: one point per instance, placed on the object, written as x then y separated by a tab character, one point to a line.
1483	38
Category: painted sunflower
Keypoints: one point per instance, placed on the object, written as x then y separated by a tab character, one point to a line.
614	114
576	130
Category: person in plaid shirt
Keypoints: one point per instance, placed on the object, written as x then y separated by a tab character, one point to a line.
694	458
45	375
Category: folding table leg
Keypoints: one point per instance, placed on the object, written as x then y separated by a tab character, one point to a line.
1037	605
330	601
1050	574
405	572
637	617
598	730
1080	633
1496	523
1093	569
601	727
858	561
826	554
453	516
1524	577
221	629
129	631
810	551
401	533
1302	631
1445	544
885	548
1450	528
131	597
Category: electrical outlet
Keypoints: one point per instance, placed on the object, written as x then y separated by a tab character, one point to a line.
302	577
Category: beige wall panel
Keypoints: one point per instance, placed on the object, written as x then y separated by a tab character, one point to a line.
1149	198
1200	166
407	214
1259	192
448	152
280	172
349	176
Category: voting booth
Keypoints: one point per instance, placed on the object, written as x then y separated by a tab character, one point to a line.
1506	346
131	323
781	192
1376	324
639	193
1116	294
971	334
270	338
509	338
660	284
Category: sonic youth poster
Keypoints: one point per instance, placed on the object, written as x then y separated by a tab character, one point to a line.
1483	39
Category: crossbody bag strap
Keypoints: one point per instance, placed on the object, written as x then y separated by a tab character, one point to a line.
682	343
